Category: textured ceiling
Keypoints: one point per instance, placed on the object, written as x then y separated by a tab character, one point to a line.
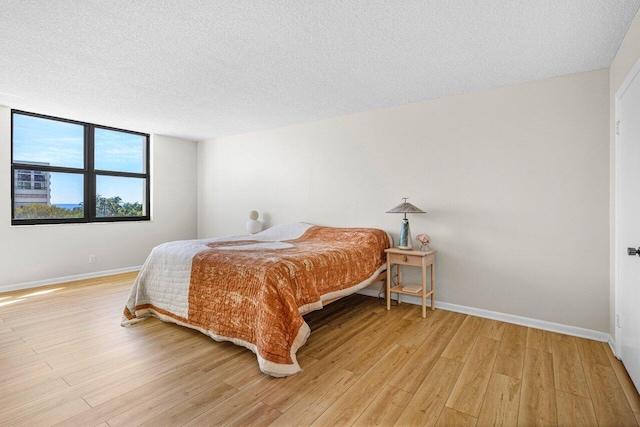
202	69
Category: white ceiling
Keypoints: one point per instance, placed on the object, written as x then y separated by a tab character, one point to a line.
200	69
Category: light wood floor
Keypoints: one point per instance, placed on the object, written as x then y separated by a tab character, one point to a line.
64	359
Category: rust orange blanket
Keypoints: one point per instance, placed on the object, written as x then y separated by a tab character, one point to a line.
253	291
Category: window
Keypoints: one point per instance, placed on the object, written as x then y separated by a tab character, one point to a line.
64	171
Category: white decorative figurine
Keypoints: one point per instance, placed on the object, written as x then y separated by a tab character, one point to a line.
424	240
253	225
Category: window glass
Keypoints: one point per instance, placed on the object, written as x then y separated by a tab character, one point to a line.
44	142
55	181
120	196
119	151
57	196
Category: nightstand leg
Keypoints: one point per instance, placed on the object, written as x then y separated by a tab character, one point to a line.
433	285
399	295
388	284
424	288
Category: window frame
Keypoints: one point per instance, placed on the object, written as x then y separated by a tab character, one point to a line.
88	172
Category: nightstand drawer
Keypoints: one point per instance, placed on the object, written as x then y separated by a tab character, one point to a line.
405	259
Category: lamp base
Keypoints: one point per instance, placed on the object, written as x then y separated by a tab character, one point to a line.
405	236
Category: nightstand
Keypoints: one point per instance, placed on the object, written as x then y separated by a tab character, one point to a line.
414	258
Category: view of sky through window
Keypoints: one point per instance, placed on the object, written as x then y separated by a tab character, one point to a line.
119	151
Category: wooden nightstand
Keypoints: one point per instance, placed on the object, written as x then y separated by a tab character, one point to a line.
414	258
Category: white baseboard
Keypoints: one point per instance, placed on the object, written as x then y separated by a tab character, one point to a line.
56	280
509	318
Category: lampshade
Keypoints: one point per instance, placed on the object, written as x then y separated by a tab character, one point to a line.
405	208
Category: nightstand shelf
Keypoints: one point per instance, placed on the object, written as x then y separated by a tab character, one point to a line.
414	258
398	290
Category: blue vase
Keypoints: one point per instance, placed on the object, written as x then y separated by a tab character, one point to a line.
405	235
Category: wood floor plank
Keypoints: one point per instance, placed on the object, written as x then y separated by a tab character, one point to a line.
362	352
13	398
575	410
320	347
625	381
258	415
538	339
104	389
193	407
110	387
350	406
293	389
538	398
24	373
117	352
236	404
57	414
469	391
493	329
107	369
11	338
132	398
510	358
385	409
455	320
315	401
500	406
567	366
416	335
73	339
181	390
429	400
246	377
462	343
609	402
452	418
357	349
413	373
18	415
592	352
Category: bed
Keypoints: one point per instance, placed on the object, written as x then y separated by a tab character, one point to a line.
253	290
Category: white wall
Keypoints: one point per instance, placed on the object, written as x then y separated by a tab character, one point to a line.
39	254
628	54
515	182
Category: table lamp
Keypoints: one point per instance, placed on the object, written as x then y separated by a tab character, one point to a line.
405	232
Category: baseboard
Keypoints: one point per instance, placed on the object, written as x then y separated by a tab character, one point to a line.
56	280
509	318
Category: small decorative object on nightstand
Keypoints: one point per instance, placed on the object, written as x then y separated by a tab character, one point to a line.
414	258
253	225
424	241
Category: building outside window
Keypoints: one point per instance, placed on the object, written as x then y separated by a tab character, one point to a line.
31	188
